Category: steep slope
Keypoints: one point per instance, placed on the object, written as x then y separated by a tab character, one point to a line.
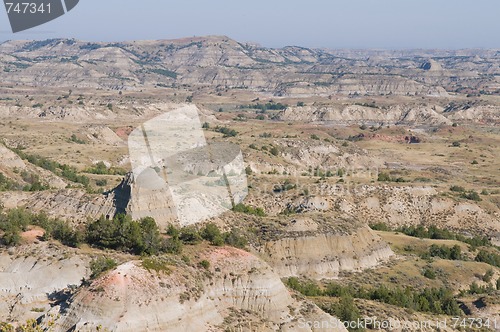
34	275
323	255
236	291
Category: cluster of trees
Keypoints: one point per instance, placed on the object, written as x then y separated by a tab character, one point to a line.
267	106
384	177
228	132
68	172
436	233
475	289
16	221
433	300
12	224
346	311
32	180
210	233
121	233
101	169
488	258
467	194
445	252
242	208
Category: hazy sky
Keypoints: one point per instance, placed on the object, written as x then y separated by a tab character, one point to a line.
276	23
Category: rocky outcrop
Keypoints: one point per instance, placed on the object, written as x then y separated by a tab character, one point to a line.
397	206
9	159
354	114
184	297
32	276
70	204
479	114
323	255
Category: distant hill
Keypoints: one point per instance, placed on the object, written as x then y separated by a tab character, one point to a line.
220	63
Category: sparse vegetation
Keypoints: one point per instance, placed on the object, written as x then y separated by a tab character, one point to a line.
226	131
156	264
76	140
242	208
265	107
68	172
101	265
436	233
384	177
101	169
205	264
488	258
432	300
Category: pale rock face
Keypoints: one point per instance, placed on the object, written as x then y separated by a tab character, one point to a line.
9	159
354	114
130	298
69	204
28	275
395	206
324	256
481	114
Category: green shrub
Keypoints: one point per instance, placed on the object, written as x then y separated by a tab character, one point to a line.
384	177
346	311
122	233
205	264
101	182
474	288
429	273
457	189
471	195
488	275
76	140
434	300
190	235
488	257
226	131
101	169
242	208
100	265
444	252
235	239
380	227
212	234
155	264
